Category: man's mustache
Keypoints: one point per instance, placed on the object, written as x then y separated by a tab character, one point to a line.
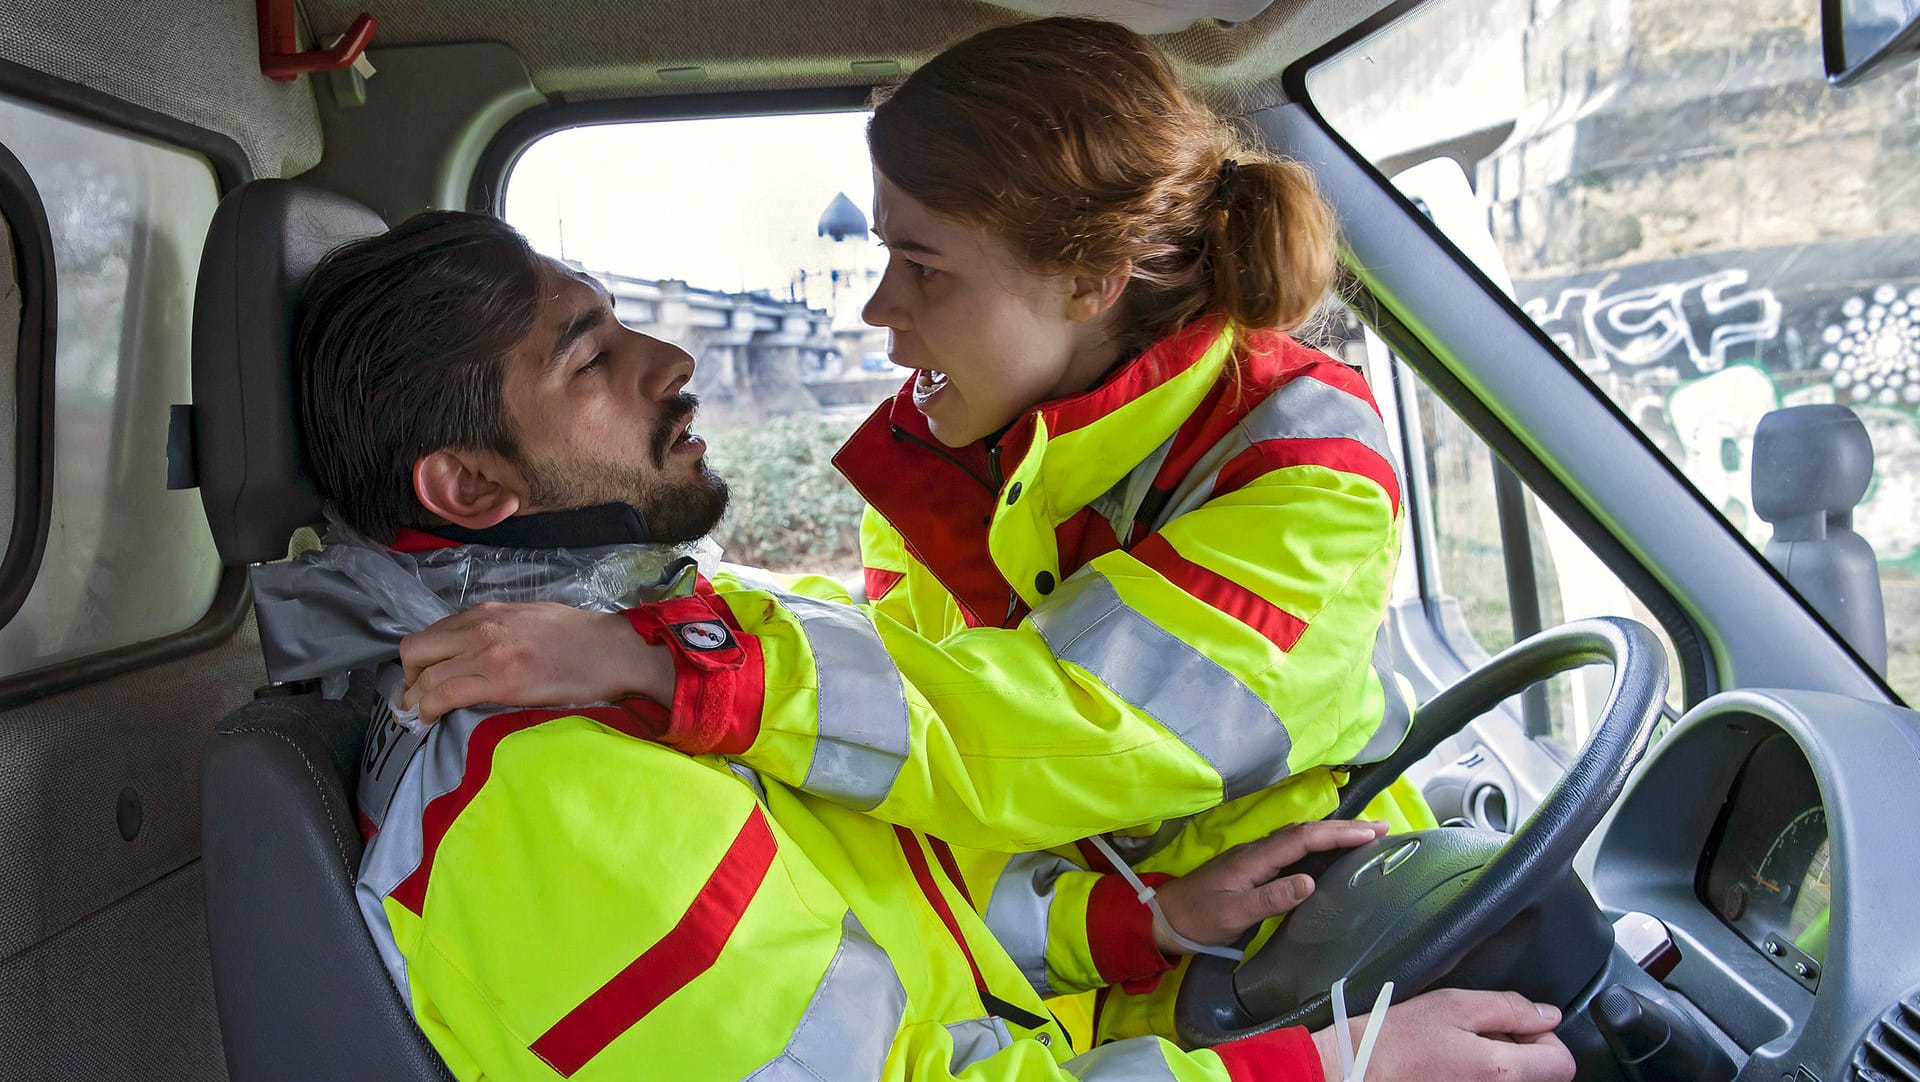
677	410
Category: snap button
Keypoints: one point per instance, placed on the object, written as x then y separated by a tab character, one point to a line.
1045	1039
1013	494
1043	582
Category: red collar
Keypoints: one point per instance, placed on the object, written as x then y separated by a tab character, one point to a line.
412	540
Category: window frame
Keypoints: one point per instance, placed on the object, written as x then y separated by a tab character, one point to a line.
26	218
232	600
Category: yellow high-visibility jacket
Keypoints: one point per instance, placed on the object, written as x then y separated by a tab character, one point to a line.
557	896
1155	609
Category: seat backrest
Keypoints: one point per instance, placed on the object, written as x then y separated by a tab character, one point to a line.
301	989
302	993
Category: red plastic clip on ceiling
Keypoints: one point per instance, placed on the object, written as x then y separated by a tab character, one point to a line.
280	55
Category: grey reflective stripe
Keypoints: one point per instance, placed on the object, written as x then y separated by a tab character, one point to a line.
863	733
1136	1059
393	853
975	1040
1154	672
1397	720
1304	409
849	1025
1018	910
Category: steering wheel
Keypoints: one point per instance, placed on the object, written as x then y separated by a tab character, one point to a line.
1408	908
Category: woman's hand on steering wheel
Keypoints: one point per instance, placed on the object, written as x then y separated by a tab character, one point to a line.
1217	902
1460	1036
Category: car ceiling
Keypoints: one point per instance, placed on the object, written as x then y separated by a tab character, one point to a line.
594	49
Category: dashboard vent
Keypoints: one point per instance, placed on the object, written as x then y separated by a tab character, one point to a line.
1891	1050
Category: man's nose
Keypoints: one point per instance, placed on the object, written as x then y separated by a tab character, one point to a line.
668	368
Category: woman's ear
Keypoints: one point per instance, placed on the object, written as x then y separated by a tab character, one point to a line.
1095	295
468	488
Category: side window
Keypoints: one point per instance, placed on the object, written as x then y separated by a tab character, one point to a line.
1499	565
125	560
760	273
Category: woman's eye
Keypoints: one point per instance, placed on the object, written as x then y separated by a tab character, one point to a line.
920	269
593	364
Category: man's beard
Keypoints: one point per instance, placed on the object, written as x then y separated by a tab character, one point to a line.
675	511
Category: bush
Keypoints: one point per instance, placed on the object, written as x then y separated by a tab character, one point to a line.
791	510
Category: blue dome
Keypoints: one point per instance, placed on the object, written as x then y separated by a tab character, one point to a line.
842	220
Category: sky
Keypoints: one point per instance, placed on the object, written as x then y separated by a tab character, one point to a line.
728	204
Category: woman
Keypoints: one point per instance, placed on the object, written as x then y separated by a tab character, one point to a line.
1128	546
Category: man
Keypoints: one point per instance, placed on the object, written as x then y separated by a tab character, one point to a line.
554	891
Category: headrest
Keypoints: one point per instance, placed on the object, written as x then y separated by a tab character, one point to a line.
1811	459
266	237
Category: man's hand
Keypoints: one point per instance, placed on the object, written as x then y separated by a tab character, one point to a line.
1216	902
534	653
1460	1036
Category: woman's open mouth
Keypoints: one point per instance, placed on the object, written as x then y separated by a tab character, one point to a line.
926	386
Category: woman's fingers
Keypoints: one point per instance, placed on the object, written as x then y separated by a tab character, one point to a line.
1287	846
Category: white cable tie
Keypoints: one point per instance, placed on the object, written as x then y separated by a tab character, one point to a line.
1342	1031
1375	1023
1146	895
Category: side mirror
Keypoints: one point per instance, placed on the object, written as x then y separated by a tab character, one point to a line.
1861	38
1811	466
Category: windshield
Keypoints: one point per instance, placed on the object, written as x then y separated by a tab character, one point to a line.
1692	215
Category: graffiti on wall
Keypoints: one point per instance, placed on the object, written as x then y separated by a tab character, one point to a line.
1699	359
1873	350
1694	324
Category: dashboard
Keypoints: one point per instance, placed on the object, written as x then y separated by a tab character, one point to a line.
1768	869
1771	833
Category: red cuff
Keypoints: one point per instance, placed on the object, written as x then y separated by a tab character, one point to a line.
1278	1055
1120	935
719	678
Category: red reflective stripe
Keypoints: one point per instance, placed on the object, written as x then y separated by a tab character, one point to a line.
1279	626
879	581
1345	455
922	874
944	854
442	810
1208	425
685	952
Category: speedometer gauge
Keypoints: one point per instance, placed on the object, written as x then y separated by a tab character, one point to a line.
1769	871
1787	869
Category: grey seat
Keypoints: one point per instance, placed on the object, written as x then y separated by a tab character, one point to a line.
301	990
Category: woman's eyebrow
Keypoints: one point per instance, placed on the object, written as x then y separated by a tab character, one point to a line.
906	244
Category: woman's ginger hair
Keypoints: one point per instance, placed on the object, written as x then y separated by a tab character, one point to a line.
1073	140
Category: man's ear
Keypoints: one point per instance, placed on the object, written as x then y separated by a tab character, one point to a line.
475	489
1095	295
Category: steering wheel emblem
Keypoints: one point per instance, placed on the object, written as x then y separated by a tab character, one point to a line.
1384	863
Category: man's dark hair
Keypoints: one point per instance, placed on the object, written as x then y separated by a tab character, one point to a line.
401	351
